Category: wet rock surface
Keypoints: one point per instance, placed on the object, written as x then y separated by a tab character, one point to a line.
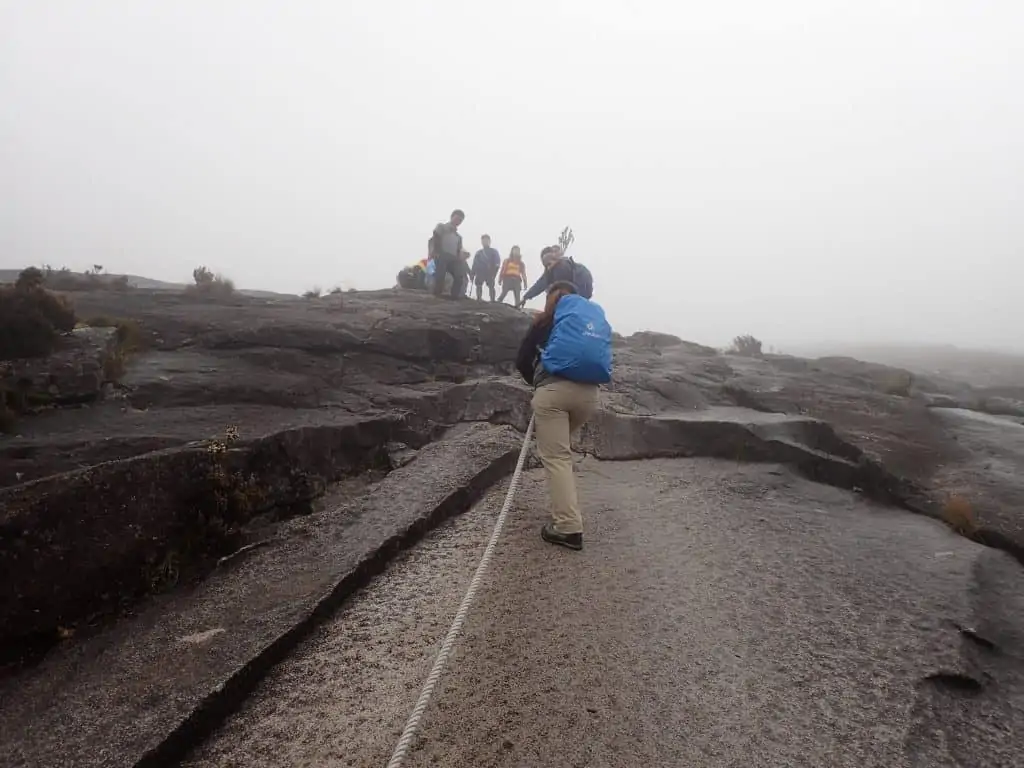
75	373
719	615
244	420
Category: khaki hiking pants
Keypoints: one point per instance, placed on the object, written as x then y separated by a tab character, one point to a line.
561	407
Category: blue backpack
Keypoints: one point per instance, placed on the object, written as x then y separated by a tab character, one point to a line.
580	345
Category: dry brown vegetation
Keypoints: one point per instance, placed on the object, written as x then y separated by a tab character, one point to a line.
130	339
958	514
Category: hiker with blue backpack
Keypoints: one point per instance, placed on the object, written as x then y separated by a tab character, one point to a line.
560	268
565	357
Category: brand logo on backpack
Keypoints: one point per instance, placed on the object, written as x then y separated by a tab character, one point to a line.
580	345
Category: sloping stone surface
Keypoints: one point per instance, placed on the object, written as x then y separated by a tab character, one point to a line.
293	378
137	693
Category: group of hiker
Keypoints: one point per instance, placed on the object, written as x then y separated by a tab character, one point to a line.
447	268
565	356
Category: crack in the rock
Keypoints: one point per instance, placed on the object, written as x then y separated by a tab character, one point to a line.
955	682
971	634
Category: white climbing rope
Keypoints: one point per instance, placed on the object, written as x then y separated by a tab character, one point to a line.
405	742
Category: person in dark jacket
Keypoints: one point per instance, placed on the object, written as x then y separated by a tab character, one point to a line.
486	264
445	250
560	408
559	268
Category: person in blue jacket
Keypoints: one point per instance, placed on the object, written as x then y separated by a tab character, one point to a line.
486	264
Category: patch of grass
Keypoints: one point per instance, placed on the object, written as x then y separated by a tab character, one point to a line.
898	384
129	334
958	514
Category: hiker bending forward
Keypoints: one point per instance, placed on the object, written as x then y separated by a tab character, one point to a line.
559	267
565	356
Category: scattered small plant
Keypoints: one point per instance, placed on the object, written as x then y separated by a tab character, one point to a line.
313	293
336	290
746	345
958	514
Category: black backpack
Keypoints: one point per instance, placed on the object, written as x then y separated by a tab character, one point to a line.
582	279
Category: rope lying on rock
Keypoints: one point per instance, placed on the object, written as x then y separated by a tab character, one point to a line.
405	742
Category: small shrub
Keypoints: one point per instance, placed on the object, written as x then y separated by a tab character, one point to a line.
32	318
202	276
747	345
7	415
958	514
30	278
336	290
209	284
313	293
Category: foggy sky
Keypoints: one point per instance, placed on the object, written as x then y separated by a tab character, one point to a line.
804	170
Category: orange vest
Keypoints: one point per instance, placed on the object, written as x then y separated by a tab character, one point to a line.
512	269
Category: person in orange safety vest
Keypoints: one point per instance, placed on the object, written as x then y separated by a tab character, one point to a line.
512	275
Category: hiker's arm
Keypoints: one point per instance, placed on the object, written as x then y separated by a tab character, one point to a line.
432	244
539	287
526	359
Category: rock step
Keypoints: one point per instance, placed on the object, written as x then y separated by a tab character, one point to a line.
143	691
85	542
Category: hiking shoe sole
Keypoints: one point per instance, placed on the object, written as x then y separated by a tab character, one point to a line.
568	540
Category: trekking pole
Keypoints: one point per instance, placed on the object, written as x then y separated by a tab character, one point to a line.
448	644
